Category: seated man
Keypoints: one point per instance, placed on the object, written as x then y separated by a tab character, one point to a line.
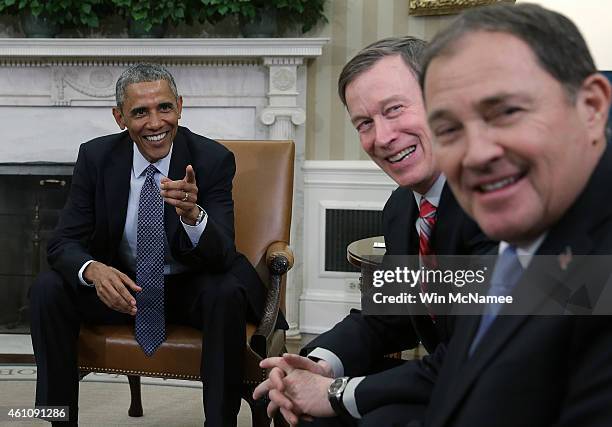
379	88
518	112
147	236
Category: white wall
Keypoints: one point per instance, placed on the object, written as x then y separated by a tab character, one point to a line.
593	19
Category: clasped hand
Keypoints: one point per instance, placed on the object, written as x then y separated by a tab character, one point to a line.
297	386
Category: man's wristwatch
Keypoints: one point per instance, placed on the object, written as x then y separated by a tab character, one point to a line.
200	215
334	394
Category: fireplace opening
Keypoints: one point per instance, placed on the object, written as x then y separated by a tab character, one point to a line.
30	204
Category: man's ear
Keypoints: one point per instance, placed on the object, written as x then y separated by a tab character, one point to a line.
179	106
119	117
594	100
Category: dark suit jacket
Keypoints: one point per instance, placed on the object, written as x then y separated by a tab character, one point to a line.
92	222
534	370
361	341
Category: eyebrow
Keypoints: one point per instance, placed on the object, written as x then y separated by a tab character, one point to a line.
139	109
481	105
392	98
136	110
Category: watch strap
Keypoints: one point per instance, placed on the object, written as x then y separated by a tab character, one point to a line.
335	399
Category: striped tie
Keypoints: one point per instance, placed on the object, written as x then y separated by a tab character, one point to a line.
426	223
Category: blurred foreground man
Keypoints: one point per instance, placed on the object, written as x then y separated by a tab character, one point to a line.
518	113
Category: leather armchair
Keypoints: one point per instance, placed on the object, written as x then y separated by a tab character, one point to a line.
263	192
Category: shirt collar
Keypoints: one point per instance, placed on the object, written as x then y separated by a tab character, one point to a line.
434	193
525	251
140	164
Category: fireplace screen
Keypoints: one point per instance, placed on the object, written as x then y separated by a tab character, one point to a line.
29	209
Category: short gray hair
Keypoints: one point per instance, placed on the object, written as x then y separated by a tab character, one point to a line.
409	48
142	73
555	41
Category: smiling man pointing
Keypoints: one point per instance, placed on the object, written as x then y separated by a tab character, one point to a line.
147	236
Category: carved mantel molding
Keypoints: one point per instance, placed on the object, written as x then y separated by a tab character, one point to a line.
83	71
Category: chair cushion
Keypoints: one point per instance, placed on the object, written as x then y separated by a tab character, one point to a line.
113	348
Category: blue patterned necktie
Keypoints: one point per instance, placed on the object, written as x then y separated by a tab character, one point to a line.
150	328
506	274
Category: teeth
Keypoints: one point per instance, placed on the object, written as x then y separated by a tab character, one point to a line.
156	137
497	185
400	156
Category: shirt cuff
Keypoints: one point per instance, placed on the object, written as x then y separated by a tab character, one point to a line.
348	397
194	232
333	360
81	278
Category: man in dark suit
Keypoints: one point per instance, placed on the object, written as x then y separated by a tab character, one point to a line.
147	236
379	88
518	112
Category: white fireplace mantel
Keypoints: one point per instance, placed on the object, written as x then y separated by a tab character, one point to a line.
57	93
31	49
235	88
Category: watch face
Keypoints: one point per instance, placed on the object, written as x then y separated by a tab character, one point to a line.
336	385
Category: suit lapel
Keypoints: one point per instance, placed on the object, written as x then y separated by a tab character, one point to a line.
179	161
445	223
403	232
464	369
574	232
117	172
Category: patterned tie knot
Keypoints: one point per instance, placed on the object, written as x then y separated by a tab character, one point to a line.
508	270
426	209
427	221
151	171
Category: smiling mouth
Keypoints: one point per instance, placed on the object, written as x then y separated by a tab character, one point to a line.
402	154
155	138
500	184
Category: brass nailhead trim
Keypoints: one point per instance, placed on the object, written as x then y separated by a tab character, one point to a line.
160	374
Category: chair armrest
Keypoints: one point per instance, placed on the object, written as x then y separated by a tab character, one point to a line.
279	259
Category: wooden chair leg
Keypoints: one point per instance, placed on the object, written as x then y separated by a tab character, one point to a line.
259	417
136	402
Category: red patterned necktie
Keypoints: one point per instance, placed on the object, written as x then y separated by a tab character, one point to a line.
426	222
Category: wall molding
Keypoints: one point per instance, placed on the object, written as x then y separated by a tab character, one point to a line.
327	296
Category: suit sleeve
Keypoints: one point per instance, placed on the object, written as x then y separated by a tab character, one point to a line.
360	341
589	389
215	250
411	382
67	249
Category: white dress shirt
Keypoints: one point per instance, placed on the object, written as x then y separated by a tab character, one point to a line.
128	245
